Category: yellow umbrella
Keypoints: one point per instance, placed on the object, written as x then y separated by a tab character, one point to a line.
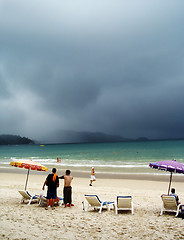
28	164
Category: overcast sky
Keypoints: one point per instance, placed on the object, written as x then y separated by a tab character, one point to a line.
114	66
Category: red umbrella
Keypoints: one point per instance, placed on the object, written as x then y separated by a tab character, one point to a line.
28	164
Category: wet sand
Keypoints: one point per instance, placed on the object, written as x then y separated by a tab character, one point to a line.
155	176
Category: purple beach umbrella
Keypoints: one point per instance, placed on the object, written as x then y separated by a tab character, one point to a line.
171	166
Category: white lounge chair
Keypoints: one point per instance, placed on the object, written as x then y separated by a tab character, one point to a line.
94	201
169	204
123	203
26	196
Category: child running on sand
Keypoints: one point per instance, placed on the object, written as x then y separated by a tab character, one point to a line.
67	190
93	178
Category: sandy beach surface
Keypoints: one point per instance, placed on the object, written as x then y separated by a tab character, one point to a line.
20	221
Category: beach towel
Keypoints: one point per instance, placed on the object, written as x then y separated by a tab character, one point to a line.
55	200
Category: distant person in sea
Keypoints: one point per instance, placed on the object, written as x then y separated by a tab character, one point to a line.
175	195
93	178
59	160
67	190
52	182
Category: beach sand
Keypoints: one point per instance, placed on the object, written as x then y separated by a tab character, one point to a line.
20	221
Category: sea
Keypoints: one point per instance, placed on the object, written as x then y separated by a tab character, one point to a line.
116	157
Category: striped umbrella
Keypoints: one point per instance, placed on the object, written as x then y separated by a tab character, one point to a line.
30	165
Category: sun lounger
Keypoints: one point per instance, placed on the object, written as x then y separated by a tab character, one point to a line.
26	196
43	200
169	204
94	201
123	203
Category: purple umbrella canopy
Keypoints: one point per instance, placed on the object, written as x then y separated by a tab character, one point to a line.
168	165
171	166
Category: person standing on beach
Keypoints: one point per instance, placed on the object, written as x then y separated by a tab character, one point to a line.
93	178
52	181
67	190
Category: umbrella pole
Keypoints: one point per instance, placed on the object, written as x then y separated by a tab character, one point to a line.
170	183
27	178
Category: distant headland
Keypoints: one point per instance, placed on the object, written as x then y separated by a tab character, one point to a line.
14	139
67	137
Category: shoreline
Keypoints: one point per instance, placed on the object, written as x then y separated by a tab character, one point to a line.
103	175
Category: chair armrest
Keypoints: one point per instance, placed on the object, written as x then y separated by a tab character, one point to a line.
178	208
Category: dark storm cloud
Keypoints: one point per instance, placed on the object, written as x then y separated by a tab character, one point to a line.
115	67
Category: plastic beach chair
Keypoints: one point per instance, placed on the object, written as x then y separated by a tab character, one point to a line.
94	201
26	196
123	203
169	204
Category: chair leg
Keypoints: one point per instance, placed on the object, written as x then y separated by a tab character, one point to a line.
83	206
178	209
162	209
108	207
100	208
60	202
116	208
113	206
132	209
30	201
116	211
87	207
40	201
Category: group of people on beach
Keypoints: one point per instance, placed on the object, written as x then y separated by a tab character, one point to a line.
52	182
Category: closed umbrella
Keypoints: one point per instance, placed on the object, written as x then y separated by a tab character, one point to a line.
28	164
171	166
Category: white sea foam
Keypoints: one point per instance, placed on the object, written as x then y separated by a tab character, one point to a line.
80	163
116	173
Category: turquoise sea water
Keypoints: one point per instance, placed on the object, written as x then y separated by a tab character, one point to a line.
105	157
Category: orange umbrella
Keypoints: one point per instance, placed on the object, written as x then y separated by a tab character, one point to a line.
28	164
